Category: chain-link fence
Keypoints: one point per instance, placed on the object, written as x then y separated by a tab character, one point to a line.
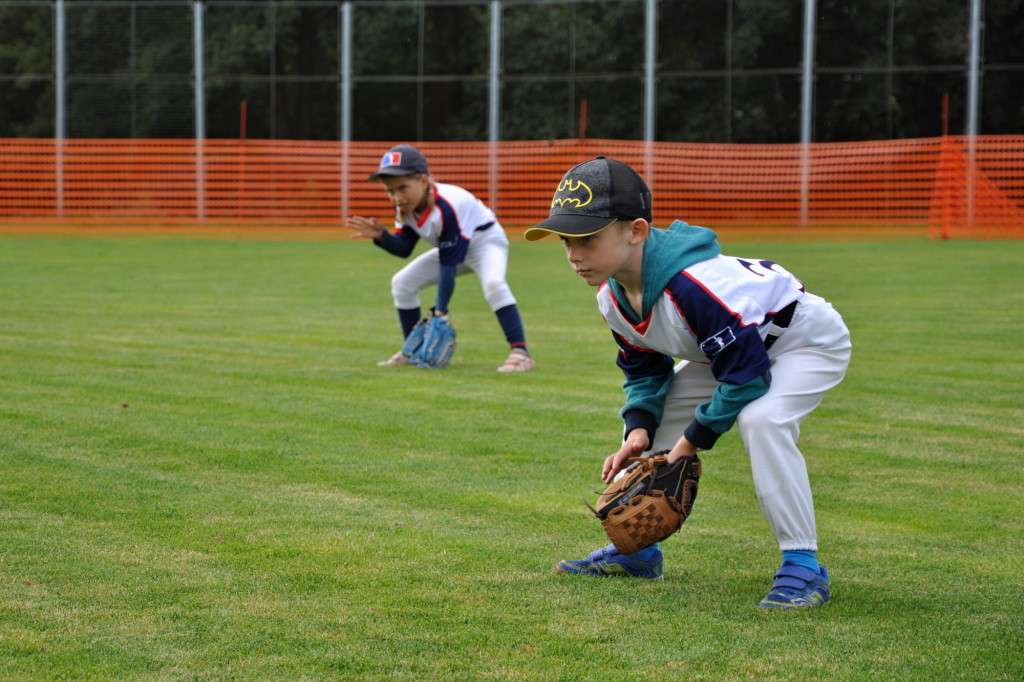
672	70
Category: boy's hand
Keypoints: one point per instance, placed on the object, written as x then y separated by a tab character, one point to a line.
683	448
365	227
635	444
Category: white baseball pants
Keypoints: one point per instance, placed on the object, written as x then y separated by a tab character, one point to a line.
489	260
808	359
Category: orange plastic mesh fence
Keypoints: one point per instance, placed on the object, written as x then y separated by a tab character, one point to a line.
949	187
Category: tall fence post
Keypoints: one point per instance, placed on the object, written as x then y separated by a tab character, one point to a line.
806	109
345	73
650	66
60	129
198	68
973	90
345	101
974	68
494	105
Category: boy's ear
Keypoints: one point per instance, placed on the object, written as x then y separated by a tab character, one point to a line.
639	229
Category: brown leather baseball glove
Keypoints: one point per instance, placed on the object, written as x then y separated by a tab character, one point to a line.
649	502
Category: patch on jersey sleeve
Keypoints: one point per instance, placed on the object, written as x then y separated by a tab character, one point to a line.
713	345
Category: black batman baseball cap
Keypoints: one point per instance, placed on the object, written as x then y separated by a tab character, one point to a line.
401	160
592	196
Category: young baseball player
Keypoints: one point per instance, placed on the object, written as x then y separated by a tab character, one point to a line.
466	237
755	349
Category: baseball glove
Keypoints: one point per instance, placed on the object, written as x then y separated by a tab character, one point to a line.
649	502
438	344
414	341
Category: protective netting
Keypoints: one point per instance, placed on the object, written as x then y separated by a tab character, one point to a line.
949	187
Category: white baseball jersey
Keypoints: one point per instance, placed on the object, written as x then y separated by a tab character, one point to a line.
714	311
452	223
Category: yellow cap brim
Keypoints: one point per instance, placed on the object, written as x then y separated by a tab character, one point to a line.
566	225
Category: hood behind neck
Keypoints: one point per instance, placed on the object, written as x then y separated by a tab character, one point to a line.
666	253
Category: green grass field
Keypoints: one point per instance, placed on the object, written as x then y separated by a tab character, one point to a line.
204	476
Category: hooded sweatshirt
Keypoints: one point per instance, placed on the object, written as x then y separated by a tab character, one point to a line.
688	312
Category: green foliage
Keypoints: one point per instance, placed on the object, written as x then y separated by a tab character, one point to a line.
26	49
27	46
205	476
297	46
243	43
725	71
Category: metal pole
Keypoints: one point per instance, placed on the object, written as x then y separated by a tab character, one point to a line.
807	89
345	104
494	105
806	107
60	129
650	56
494	75
60	85
198	68
346	72
973	79
200	104
974	69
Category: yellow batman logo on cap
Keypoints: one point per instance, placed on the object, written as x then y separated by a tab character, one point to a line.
572	192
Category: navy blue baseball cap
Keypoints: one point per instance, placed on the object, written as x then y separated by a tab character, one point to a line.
401	160
592	196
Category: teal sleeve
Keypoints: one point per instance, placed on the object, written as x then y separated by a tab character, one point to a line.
646	395
649	376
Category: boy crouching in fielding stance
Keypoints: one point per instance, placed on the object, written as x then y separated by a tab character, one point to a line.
466	236
755	349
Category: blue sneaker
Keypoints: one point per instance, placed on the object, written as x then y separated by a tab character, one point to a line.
796	588
607	561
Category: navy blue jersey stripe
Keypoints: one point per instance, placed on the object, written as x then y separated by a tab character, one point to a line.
451	244
735	348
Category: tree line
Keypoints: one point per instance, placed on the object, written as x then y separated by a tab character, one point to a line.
726	70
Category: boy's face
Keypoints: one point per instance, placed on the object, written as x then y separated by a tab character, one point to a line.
407	192
602	255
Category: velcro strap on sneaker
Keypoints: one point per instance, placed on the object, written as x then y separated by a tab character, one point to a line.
794	577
